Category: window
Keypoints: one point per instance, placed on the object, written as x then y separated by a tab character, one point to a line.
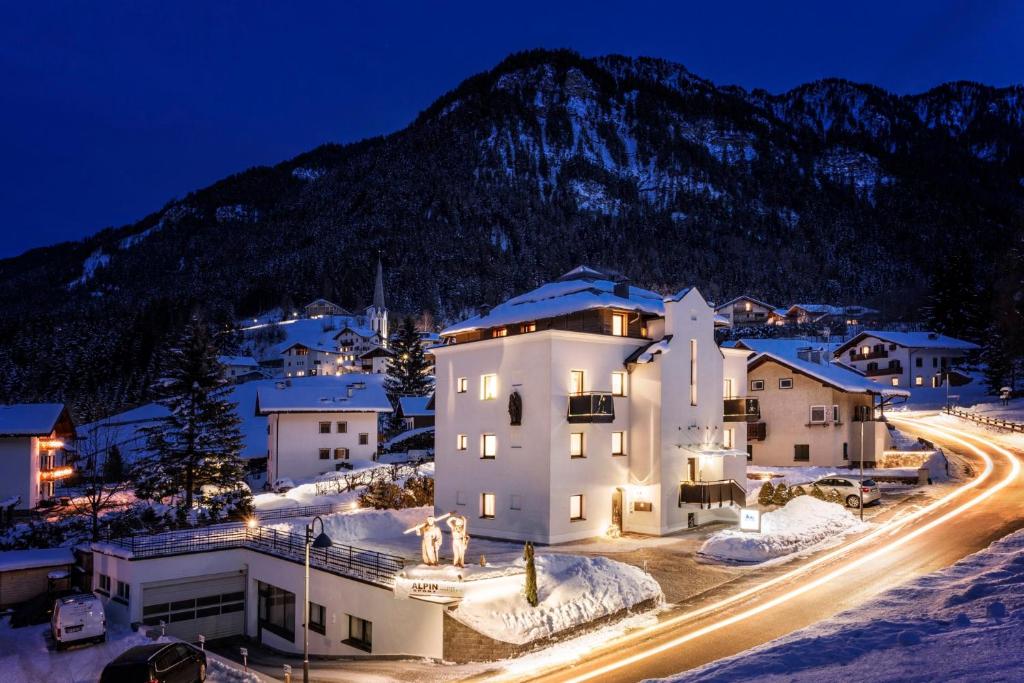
865	350
527	327
619	324
360	633
516	502
341	454
576	508
919	362
104	584
936	381
488	387
364	439
895	381
342	427
325	453
750	452
727	388
618	384
488	446
835	414
846	451
487	505
618	443
785	383
747	306
576	444
462	385
276	610
892	347
919	381
935	361
729	438
693	372
499	332
325	427
757	385
801	452
575	382
462	442
317	618
817	414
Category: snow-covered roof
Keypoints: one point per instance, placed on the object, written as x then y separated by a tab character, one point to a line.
29	419
361	330
377	351
414	406
35	558
819	309
580	289
646	354
744	297
912	340
828	372
242	361
324	394
787	347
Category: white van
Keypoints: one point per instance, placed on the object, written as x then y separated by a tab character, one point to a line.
76	618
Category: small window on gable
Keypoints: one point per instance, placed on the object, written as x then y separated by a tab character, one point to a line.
785	383
757	385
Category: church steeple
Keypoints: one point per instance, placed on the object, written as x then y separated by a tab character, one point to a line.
378	312
378	288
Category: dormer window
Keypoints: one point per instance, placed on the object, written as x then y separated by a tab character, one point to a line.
619	324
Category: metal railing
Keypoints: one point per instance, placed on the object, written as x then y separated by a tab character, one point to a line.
889	370
869	355
708	494
304	511
592	407
344	560
1001	423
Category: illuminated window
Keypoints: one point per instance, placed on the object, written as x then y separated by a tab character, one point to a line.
499	332
576	508
618	383
895	381
462	385
618	443
619	324
747	306
487	505
818	414
462	442
528	327
729	438
919	381
488	446
576	444
693	372
488	387
575	382
865	350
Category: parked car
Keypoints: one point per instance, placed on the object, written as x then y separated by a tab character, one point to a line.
283	485
76	618
850	488
157	663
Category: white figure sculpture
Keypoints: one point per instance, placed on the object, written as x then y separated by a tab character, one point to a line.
460	538
431	542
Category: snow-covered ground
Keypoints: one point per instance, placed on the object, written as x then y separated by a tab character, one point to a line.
965	622
325	489
572	590
26	654
804	524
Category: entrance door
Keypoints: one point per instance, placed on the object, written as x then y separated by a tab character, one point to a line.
617	508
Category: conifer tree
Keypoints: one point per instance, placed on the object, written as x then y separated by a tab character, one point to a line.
782	495
113	465
199	443
766	495
407	373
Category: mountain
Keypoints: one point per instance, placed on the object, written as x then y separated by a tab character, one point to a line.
833	190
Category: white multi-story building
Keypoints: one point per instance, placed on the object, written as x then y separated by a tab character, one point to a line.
315	423
583	404
915	360
32	456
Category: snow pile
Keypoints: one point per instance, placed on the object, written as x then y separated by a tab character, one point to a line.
965	622
573	590
362	525
804	523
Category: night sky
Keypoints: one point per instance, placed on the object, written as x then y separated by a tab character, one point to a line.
108	110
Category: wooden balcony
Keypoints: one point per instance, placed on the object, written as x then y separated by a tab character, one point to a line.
878	372
741	410
591	407
869	355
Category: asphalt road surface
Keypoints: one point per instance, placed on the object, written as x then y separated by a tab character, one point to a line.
768	604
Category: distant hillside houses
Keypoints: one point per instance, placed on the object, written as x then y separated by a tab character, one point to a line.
748	311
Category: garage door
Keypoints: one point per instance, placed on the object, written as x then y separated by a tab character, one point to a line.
213	606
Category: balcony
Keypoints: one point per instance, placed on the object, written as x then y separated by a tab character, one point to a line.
870	355
591	407
748	317
709	494
757	431
878	372
741	410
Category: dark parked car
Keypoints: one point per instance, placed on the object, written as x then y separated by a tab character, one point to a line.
163	663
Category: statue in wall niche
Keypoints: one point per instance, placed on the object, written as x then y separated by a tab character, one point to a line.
460	538
515	409
431	542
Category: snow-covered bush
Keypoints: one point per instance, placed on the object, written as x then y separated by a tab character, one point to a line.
782	494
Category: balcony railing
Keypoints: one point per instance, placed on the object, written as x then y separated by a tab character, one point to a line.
869	355
757	431
591	407
875	372
709	494
741	410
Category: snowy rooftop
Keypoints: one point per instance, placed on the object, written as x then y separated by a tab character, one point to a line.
346	393
913	340
580	289
743	297
783	346
415	406
29	419
35	558
834	374
244	361
819	309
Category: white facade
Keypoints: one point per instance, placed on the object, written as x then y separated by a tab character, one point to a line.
551	480
914	361
32	457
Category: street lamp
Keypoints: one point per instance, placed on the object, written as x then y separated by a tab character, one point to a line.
321	541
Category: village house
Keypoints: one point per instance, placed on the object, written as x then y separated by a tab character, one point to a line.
314	424
916	360
813	411
311	358
416	411
744	311
584	405
34	438
376	361
837	317
241	368
319	307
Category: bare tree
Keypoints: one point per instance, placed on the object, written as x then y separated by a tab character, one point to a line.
99	487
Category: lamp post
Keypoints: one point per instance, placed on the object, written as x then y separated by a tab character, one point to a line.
321	541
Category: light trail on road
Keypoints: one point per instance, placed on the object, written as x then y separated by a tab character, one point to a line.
952	434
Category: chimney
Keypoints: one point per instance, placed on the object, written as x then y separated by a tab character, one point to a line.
349	391
621	289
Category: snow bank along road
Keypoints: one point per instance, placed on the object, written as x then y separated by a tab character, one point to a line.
765	605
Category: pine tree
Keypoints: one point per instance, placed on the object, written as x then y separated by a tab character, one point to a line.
407	373
199	443
113	465
833	497
816	492
797	491
766	495
531	576
782	495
